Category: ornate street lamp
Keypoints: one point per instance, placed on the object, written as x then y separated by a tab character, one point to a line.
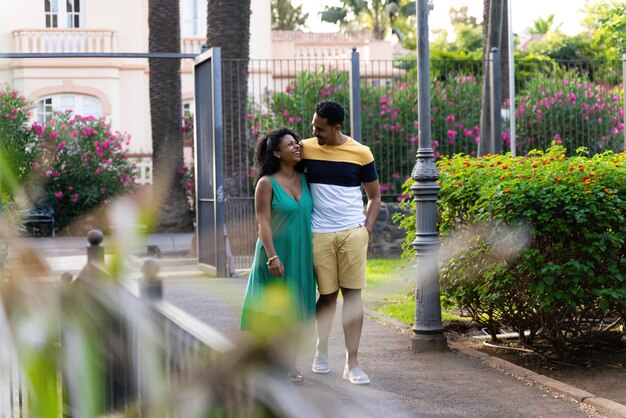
428	328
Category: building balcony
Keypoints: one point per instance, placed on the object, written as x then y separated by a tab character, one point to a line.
192	45
53	40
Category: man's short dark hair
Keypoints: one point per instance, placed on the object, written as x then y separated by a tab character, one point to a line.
331	111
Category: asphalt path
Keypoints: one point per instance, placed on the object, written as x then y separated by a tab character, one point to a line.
403	383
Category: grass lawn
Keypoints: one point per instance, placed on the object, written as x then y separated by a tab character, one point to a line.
389	290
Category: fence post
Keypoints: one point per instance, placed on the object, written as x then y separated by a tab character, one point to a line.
624	86
151	285
495	99
355	97
95	253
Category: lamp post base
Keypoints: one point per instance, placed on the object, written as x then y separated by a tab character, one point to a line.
421	343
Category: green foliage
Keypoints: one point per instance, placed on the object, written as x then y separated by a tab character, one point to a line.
535	242
606	20
379	16
18	141
287	17
543	26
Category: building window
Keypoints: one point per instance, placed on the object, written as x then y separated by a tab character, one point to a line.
193	17
79	104
62	13
188	107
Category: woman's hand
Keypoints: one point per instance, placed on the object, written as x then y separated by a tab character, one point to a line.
276	267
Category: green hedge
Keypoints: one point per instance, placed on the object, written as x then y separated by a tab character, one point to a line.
534	243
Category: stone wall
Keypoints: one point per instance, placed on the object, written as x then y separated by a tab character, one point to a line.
388	236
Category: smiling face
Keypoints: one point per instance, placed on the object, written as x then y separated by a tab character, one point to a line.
288	150
326	134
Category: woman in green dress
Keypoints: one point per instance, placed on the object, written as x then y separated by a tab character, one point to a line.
283	257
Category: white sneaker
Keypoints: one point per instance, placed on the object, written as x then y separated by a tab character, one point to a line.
356	376
320	365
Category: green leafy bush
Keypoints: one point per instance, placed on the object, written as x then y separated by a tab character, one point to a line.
18	141
535	243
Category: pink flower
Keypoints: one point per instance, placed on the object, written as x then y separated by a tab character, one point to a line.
37	128
292	119
98	170
70	188
451	134
74	133
450	118
58	195
61	145
286	113
53	134
250	116
477	140
74	198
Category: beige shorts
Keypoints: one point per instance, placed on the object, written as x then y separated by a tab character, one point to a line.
339	259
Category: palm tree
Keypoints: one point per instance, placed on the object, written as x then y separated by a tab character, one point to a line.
228	27
165	116
543	26
379	16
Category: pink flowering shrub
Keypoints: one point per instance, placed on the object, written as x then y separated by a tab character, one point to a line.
84	165
455	110
294	106
570	110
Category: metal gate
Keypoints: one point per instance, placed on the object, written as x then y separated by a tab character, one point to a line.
209	156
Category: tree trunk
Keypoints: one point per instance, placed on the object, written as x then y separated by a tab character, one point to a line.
228	27
504	50
165	117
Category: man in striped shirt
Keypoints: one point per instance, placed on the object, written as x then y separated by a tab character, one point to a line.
336	167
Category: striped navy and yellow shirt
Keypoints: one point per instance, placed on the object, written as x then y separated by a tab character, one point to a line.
335	175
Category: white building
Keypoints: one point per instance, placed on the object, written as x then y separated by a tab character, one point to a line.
116	88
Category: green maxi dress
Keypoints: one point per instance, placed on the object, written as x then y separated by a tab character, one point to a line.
291	231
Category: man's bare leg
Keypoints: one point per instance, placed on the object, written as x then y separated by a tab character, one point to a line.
324	314
352	319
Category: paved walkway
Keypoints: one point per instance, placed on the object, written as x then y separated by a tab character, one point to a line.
404	384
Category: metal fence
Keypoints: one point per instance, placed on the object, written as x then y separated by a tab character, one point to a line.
152	358
576	103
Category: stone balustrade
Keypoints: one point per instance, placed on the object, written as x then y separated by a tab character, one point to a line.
53	40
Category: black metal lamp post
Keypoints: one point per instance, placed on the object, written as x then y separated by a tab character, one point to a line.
428	329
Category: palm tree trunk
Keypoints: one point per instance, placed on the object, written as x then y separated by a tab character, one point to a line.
228	27
165	117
